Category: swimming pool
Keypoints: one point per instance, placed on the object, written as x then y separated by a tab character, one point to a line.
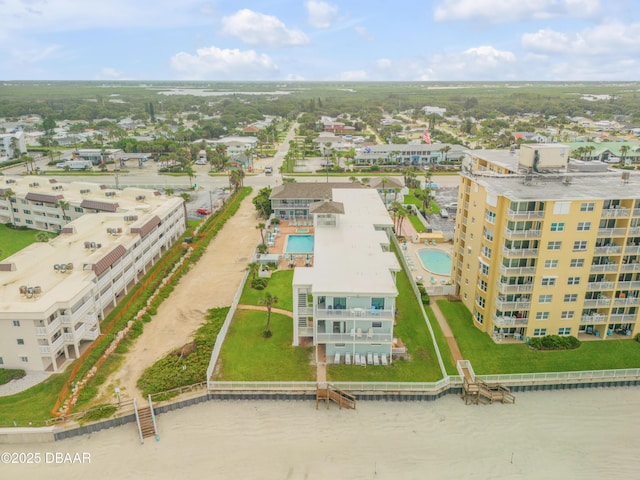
299	244
435	260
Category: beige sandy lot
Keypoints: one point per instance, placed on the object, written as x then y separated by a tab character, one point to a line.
211	283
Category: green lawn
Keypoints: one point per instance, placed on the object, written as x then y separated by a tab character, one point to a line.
410	198
417	224
12	241
247	356
279	285
447	358
412	329
488	357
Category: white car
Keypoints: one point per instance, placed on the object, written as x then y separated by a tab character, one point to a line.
201	161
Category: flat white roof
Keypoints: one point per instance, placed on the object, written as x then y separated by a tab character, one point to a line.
348	258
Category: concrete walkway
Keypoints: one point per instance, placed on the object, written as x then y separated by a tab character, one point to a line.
24	383
446	330
262	308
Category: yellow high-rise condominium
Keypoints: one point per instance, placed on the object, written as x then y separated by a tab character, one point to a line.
547	245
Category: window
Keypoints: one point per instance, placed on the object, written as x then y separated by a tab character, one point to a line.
564	331
542	316
490	216
587	207
577	263
551	264
78	209
579	245
484	268
557	227
478	317
548	281
486	251
488	234
545	298
339	303
554	245
573	281
480	301
482	285
20	341
24	359
1	361
27	212
561	208
30	222
584	226
571	297
16	323
377	303
376	324
567	314
539	332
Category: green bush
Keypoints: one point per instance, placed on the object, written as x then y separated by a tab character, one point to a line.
99	412
554	342
6	375
259	283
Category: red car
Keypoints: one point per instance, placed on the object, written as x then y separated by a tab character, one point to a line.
203	211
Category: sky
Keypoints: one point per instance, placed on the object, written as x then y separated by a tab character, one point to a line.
314	40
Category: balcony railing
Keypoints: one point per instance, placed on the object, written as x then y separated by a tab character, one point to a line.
612	232
91	334
514	288
305	331
48	329
513	305
636	212
520	252
517	270
504	321
631	249
616	212
622	318
597	318
347	337
355	313
607	267
629	285
516	215
634	230
599	285
523	233
621	302
630	267
597	302
305	311
611	249
52	347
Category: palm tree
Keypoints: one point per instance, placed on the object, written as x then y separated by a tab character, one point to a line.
8	195
261	226
444	150
624	149
42	237
253	268
169	191
384	182
401	214
186	197
268	301
62	205
353	179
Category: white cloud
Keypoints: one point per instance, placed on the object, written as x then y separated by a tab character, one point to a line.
605	39
477	63
321	14
353	76
383	63
363	32
498	11
255	28
227	64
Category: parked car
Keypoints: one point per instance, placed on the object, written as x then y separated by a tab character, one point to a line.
201	161
203	211
268	170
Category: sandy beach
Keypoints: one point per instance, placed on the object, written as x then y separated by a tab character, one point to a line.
586	434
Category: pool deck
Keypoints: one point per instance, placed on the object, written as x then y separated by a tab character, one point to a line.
285	228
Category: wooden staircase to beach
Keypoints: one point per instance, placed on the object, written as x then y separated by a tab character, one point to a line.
330	393
476	391
146	422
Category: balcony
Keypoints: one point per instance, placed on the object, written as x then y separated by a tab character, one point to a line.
53	347
504	321
606	267
636	212
514	288
597	302
634	231
611	250
48	329
91	334
515	234
622	302
630	267
355	313
347	337
612	232
616	212
516	215
622	318
517	270
305	311
595	318
631	285
631	249
520	252
305	331
513	305
600	286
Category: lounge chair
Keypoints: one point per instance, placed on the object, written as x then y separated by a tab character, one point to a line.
336	359
383	358
370	333
370	358
376	359
363	360
359	333
347	358
433	242
356	359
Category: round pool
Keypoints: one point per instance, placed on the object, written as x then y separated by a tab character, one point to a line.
435	260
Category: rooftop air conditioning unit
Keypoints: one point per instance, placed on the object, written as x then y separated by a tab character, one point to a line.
140	198
84	191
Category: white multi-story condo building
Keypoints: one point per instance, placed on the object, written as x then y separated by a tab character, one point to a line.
53	295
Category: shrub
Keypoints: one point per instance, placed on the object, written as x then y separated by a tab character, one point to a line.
6	375
554	342
259	283
99	412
